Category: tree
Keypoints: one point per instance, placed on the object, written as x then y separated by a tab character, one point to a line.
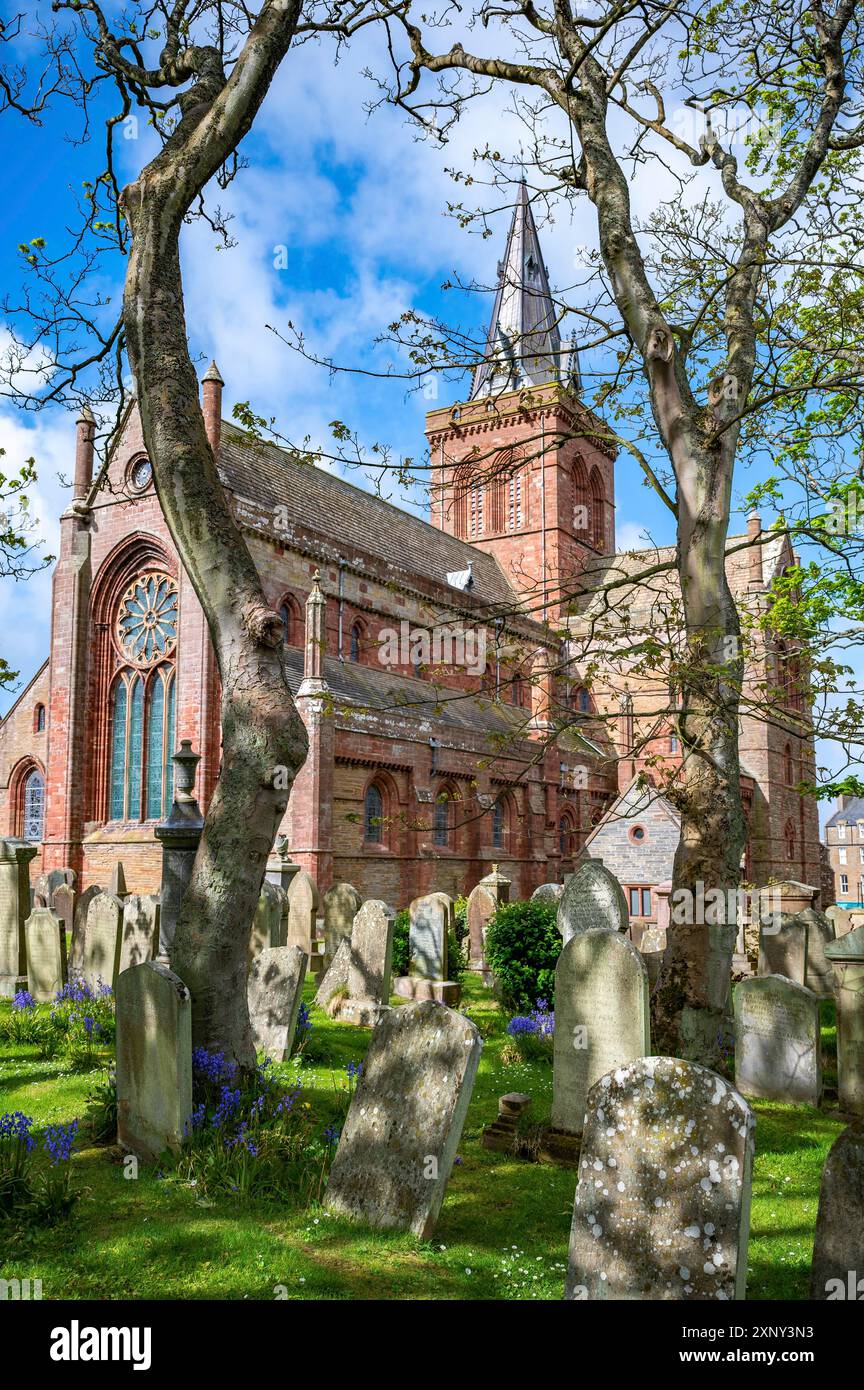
198	70
695	293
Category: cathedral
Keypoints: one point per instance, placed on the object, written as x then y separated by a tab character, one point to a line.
456	712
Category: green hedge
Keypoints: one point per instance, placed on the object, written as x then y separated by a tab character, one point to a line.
522	948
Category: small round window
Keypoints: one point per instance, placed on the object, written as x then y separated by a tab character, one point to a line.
637	834
140	474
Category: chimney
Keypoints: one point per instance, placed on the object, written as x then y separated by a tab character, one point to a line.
86	429
313	682
843	801
211	390
754	553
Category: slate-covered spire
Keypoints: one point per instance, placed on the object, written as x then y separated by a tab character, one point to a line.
523	345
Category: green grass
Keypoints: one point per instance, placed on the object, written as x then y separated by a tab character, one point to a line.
502	1233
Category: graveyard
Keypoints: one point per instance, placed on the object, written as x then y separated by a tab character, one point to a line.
511	1123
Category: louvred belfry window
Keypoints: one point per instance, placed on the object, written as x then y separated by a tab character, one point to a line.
142	701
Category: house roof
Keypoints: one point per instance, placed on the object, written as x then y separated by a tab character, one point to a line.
853	811
320	502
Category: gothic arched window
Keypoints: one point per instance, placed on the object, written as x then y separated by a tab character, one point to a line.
142	741
355	640
39	720
499	825
34	806
596	504
373	815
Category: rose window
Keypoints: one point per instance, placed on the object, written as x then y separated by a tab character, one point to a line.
147	621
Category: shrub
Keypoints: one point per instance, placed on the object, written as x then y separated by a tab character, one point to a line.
401	950
522	948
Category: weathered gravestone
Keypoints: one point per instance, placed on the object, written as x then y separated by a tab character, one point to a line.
267	928
341	904
820	934
336	975
79	931
14	911
154	1060
63	905
483	901
548	893
777	1041
847	958
793	937
46	954
403	1126
303	931
662	1208
275	990
370	968
117	881
601	1022
427	937
592	898
840	918
102	940
140	931
783	946
837	1271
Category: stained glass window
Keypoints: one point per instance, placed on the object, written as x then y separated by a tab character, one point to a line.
155	740
135	751
373	811
147	621
142	742
34	805
442	821
498	826
118	751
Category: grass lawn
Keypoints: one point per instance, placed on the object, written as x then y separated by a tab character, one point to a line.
502	1233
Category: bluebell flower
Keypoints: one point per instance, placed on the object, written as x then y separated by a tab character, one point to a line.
23	1000
331	1134
60	1141
354	1070
16	1125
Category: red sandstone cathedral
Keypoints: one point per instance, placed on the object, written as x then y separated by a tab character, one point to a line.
426	764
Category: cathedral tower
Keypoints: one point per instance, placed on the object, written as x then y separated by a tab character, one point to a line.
522	468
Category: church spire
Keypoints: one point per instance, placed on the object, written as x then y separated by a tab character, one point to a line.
523	345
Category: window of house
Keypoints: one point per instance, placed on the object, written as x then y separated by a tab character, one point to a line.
34	806
841	855
841	830
844	885
40	719
373	814
640	901
673	743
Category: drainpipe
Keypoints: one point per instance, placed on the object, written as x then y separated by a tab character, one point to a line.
543	505
342	564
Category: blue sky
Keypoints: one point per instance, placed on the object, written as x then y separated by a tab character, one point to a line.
361	207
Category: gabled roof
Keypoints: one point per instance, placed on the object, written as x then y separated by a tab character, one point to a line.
632	801
853	811
523	345
321	503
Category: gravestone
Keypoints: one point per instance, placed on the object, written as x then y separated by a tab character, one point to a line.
592	898
275	989
837	1271
778	1053
403	1127
14	911
46	955
102	940
601	1022
335	976
267	929
483	901
79	931
427	937
140	931
117	882
341	904
662	1207
63	905
840	918
783	946
820	934
303	930
847	958
548	893
371	961
154	1060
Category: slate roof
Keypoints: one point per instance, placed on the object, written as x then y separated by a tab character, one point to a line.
853	811
319	502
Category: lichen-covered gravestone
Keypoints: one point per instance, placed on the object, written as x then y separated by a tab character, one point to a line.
837	1271
847	959
140	936
302	927
592	899
63	904
275	989
46	954
662	1207
548	893
342	902
370	968
400	1137
79	931
102	940
14	911
783	946
154	1060
267	922
483	903
427	937
601	1021
336	975
777	1041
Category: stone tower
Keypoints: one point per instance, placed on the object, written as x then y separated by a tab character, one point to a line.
522	468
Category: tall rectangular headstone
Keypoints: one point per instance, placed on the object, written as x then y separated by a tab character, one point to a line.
837	1271
662	1207
267	924
427	937
777	1041
369	972
79	931
140	933
14	911
275	989
783	946
601	1021
847	959
400	1137
483	903
102	940
341	904
154	1060
46	955
63	904
593	899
